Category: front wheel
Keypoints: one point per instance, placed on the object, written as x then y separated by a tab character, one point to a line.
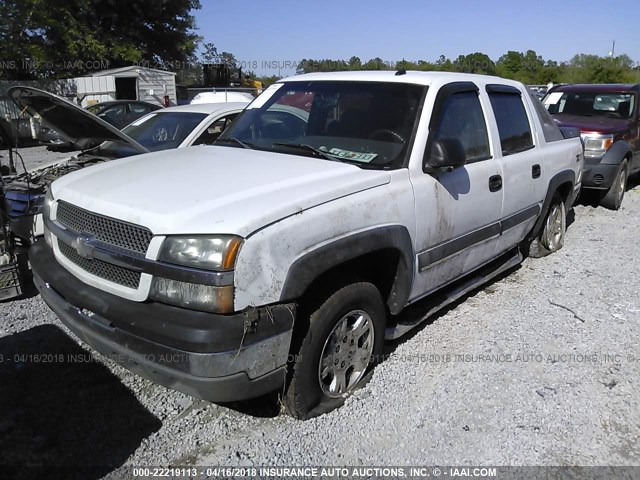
344	337
551	236
613	198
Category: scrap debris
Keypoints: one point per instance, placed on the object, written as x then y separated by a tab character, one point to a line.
569	310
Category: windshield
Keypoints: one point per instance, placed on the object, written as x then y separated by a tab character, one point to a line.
365	123
614	105
155	131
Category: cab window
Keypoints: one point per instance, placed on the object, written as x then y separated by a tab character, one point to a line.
462	119
513	124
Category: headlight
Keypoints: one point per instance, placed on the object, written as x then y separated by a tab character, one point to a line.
205	298
217	253
596	144
209	253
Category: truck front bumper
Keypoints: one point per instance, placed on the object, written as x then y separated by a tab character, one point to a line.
599	176
220	358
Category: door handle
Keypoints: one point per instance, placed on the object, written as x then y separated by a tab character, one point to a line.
536	171
495	183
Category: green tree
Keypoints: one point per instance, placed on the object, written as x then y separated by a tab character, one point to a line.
56	38
376	64
524	67
268	80
594	69
527	67
444	64
210	53
531	65
509	64
228	59
552	71
405	65
424	66
475	63
324	65
355	63
625	62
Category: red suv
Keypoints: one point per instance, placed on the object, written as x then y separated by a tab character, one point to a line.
609	123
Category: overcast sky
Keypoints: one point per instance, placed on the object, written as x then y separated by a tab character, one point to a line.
267	34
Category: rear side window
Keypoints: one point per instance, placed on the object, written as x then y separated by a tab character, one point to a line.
513	124
462	119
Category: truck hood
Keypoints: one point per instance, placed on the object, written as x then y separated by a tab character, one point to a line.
594	123
80	128
212	189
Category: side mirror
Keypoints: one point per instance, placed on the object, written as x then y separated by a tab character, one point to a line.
444	154
570	132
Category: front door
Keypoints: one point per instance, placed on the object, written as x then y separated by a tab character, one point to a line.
458	212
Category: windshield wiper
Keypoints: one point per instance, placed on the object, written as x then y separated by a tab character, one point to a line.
308	148
234	141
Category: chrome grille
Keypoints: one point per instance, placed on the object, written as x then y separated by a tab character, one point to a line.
108	230
107	271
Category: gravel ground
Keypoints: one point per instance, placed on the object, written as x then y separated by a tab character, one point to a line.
36	156
541	367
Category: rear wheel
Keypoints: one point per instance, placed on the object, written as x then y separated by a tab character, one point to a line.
613	198
551	236
344	337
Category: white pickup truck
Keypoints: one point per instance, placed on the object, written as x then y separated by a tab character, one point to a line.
337	211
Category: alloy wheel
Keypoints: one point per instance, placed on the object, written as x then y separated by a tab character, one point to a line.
346	353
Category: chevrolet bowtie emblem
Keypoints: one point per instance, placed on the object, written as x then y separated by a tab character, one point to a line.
83	244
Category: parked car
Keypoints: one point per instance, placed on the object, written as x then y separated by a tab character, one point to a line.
50	138
283	256
118	113
536	94
609	122
121	113
222	97
174	127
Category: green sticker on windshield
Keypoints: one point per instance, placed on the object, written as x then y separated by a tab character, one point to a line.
355	156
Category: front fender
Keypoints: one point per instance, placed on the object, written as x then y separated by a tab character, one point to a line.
616	153
320	260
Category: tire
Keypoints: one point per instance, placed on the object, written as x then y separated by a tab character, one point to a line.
551	236
323	372
613	198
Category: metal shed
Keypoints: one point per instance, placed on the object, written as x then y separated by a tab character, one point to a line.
127	83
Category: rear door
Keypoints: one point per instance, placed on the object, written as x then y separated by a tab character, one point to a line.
524	179
458	212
